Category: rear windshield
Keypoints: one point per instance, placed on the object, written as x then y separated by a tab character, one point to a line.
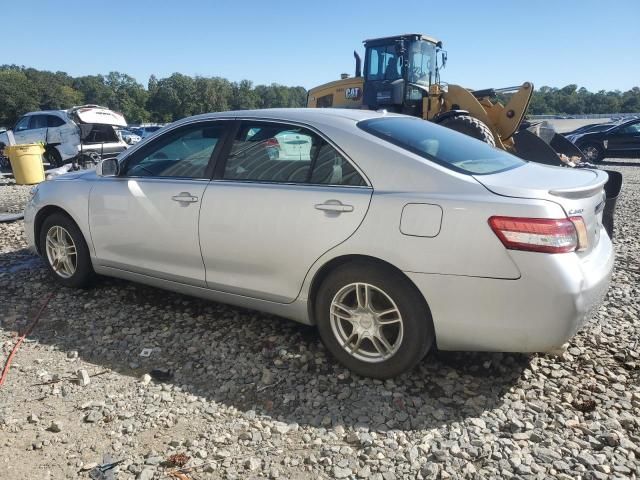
444	146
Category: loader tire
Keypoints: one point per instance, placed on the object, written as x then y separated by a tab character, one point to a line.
470	126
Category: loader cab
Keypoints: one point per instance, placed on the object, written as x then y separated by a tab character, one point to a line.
398	71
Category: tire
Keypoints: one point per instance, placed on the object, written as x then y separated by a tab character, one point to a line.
470	126
81	275
409	338
592	152
52	156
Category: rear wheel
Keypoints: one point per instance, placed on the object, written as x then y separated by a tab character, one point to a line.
65	251
592	152
470	126
373	320
52	156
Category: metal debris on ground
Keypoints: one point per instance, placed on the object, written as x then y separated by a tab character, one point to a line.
178	460
146	352
104	471
161	375
11	217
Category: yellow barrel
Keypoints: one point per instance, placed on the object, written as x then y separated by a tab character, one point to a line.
26	162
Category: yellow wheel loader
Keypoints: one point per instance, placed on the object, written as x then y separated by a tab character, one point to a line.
402	74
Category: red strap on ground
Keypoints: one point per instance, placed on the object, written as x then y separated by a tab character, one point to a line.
29	329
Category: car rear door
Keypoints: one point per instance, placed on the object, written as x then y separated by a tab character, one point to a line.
264	220
146	219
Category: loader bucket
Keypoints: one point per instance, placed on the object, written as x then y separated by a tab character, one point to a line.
541	144
612	189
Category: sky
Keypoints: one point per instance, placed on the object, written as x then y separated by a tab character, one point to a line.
592	43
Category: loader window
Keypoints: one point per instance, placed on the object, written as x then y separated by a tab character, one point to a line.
383	63
441	145
422	60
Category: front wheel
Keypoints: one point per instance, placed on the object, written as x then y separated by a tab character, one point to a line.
65	251
373	320
592	152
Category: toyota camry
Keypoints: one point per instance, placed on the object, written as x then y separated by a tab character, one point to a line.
391	234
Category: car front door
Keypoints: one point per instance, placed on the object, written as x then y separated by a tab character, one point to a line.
625	139
145	220
37	131
21	130
268	216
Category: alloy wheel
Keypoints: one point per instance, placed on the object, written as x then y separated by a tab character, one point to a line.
591	153
366	322
61	251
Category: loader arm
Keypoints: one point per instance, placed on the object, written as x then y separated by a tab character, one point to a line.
503	121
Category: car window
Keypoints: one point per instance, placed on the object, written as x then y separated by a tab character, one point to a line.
38	121
23	124
633	128
331	168
271	152
183	153
54	121
274	152
441	145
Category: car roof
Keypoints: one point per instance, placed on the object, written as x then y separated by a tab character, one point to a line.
304	115
46	112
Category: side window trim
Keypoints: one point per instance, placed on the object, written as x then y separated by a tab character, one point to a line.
231	134
208	173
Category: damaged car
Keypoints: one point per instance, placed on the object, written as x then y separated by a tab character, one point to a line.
67	134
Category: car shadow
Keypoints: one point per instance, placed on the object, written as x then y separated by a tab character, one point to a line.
241	358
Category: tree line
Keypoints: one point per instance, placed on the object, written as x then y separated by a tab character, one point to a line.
573	100
177	96
163	100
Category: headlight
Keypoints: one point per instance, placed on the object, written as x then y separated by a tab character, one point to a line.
606	143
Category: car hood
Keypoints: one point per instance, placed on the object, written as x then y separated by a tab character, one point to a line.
77	175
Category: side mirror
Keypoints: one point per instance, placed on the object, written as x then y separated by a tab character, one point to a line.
109	167
444	59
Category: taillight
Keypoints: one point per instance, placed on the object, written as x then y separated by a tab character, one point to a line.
581	230
271	142
536	234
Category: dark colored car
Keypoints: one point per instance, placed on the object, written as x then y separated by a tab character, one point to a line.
592	127
619	140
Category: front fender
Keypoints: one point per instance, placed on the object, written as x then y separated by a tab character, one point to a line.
72	197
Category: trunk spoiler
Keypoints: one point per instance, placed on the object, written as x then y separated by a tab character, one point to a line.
584	191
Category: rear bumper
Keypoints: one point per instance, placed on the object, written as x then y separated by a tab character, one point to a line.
540	311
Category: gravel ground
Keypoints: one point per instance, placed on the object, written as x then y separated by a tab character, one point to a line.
244	394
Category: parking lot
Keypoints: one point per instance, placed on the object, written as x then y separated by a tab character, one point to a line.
245	394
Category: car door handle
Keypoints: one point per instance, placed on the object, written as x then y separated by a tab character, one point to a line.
336	207
184	197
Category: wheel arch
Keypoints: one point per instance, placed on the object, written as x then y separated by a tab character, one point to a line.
322	273
42	215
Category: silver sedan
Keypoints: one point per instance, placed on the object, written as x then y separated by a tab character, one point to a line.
391	234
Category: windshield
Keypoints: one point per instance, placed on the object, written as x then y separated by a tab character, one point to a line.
444	146
422	61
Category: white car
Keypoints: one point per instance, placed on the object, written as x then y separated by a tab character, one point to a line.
66	133
129	137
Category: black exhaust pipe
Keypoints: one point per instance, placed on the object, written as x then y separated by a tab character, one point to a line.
358	64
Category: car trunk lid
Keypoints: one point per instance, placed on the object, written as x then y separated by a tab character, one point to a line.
580	192
94	114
